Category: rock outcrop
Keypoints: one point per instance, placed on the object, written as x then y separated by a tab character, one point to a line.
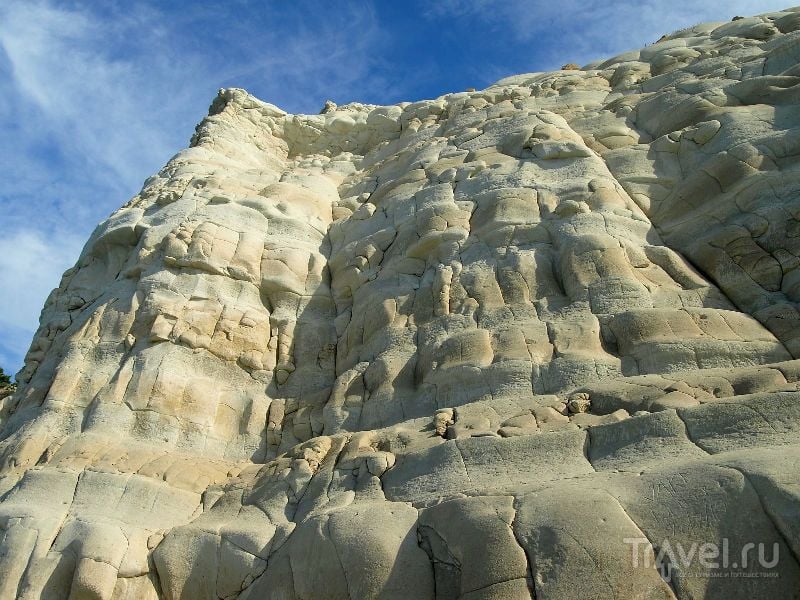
539	340
6	389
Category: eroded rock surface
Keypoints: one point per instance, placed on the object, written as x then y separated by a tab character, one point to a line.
468	348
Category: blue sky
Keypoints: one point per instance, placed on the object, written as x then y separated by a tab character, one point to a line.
98	95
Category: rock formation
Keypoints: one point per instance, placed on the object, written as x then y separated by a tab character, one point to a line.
538	340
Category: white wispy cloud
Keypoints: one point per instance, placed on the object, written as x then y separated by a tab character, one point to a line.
311	57
23	253
97	105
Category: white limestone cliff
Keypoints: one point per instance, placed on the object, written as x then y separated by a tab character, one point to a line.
457	348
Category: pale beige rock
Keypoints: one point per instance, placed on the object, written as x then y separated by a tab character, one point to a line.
461	347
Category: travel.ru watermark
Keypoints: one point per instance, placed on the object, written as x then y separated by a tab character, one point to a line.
708	559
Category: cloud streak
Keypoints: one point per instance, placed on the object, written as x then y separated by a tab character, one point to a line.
98	106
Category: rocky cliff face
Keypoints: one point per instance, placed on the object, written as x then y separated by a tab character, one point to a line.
460	348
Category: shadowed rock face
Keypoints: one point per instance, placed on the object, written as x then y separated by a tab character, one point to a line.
540	340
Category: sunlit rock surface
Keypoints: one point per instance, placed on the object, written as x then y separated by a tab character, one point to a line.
468	347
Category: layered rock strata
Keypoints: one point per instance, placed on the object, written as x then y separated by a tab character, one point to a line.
468	348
